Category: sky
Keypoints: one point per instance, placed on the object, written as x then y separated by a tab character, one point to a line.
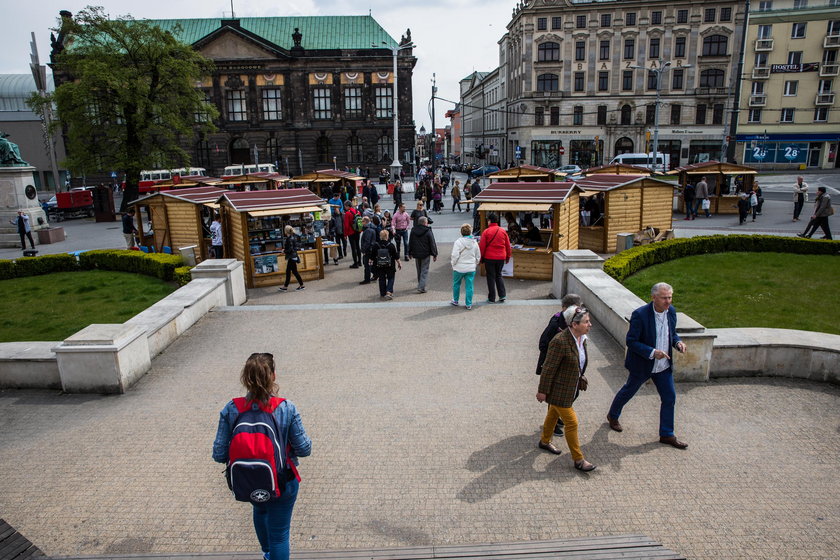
453	38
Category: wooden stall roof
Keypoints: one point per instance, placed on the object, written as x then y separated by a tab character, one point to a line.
709	167
196	195
603	183
617	169
525	193
251	178
272	200
525	171
325	176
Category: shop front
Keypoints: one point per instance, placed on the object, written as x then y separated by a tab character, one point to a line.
725	181
790	151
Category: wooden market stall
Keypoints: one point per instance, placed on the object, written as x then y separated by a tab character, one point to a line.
177	219
526	174
617	169
552	204
627	204
254	223
318	179
725	181
258	181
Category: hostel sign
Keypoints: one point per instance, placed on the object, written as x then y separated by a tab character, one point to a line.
794	68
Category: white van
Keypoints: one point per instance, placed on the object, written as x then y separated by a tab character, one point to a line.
663	161
232	170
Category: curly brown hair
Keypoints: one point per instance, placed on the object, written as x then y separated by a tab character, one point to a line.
258	376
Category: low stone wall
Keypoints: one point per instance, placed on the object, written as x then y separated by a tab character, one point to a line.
105	358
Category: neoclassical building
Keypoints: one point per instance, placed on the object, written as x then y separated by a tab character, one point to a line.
300	92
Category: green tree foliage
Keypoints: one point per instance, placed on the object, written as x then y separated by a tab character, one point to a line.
131	98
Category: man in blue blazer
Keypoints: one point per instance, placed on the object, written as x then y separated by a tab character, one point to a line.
652	334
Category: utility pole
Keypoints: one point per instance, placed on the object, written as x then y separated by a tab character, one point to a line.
733	119
434	132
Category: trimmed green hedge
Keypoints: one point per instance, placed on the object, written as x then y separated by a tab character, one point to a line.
160	265
7	269
183	275
633	260
35	266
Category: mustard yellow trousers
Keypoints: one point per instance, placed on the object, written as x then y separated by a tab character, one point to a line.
570	428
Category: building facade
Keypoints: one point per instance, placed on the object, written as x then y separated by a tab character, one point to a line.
455	134
788	117
483	100
583	79
300	92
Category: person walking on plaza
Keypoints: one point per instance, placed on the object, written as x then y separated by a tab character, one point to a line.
129	229
701	197
494	244
743	208
650	337
456	196
352	233
368	240
423	249
272	518
464	259
216	245
384	261
21	221
291	246
753	203
468	193
398	195
822	210
561	381
337	232
688	201
800	196
418	212
401	222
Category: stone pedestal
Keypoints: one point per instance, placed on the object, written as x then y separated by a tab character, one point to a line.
694	365
103	359
231	270
567	259
15	192
51	235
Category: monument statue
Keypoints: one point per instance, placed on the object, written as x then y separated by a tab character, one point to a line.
296	37
9	152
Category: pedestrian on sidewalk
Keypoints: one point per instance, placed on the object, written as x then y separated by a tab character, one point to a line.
743	208
384	261
800	197
464	259
368	239
822	210
456	196
291	246
272	518
128	227
402	222
753	203
494	244
398	195
352	233
688	201
21	221
701	197
561	380
423	249
216	244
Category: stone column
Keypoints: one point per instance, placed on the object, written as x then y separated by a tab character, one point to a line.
231	270
567	259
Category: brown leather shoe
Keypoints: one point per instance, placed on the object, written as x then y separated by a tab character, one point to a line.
673	441
613	422
550	447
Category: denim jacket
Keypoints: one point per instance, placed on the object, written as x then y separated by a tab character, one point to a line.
288	421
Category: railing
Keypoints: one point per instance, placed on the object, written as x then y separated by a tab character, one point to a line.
763	45
761	73
831	41
824	99
711	91
829	70
758	100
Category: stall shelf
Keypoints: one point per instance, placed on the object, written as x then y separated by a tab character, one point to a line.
725	181
526	174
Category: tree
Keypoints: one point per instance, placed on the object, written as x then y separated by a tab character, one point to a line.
129	98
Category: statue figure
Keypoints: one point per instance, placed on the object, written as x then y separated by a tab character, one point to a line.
9	151
296	37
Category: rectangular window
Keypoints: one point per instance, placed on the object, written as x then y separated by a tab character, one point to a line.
580	50
679	47
797	31
602	114
755	116
353	103
726	14
717	113
700	114
709	15
603	81
237	107
765	31
555	116
758	88
577	119
765	5
799	4
650	114
322	102
542	24
787	115
627	80
271	104
821	114
539	116
656	18
651	81
203	116
606	20
631	18
682	16
833	27
604	53
629	49
579	79
791	87
580	22
676	111
556	22
677	77
825	86
795	57
761	60
653	52
384	102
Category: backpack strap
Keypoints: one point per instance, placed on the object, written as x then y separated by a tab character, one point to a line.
242	404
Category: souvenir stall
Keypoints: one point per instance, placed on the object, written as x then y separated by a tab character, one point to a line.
168	221
317	180
254	224
617	169
725	181
526	174
552	207
258	181
621	204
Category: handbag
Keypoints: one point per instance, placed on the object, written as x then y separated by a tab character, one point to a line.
706	204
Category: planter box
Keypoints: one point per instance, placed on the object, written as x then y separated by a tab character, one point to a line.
50	235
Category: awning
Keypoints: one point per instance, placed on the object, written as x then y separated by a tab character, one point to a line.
514	207
280	211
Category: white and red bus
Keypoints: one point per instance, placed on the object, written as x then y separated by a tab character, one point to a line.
247	168
150	178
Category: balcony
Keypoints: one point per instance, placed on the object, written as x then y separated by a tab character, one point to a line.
761	73
763	45
824	99
711	91
831	41
829	70
758	100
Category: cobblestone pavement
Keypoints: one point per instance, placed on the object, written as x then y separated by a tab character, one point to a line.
425	427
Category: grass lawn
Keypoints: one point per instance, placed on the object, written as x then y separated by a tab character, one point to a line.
778	290
54	306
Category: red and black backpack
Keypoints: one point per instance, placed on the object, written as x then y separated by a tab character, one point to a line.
258	457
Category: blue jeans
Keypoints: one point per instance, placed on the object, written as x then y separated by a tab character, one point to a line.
401	234
468	278
664	382
272	521
386	282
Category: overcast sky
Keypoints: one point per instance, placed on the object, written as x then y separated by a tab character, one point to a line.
453	37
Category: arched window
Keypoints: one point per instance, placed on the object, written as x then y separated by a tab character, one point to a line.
623	145
272	151
240	152
548	52
354	150
715	45
711	78
322	149
383	149
626	114
547	82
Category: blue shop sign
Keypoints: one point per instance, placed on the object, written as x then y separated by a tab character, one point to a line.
776	152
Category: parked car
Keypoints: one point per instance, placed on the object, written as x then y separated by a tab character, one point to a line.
483	170
570	169
52	202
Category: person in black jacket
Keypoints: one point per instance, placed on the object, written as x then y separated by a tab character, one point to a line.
385	272
423	249
556	324
291	246
368	240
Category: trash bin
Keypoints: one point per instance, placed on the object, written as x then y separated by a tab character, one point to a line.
188	254
623	241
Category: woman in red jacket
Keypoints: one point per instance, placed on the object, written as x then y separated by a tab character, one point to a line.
495	252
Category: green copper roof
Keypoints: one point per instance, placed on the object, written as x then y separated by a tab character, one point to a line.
319	32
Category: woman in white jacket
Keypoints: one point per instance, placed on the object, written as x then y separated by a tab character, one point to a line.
465	259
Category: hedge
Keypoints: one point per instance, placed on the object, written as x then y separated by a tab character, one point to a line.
35	266
633	260
160	265
7	269
183	275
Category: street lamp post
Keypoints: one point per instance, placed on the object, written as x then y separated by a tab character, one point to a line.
396	166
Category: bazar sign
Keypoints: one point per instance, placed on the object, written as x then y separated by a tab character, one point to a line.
687	131
787	68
